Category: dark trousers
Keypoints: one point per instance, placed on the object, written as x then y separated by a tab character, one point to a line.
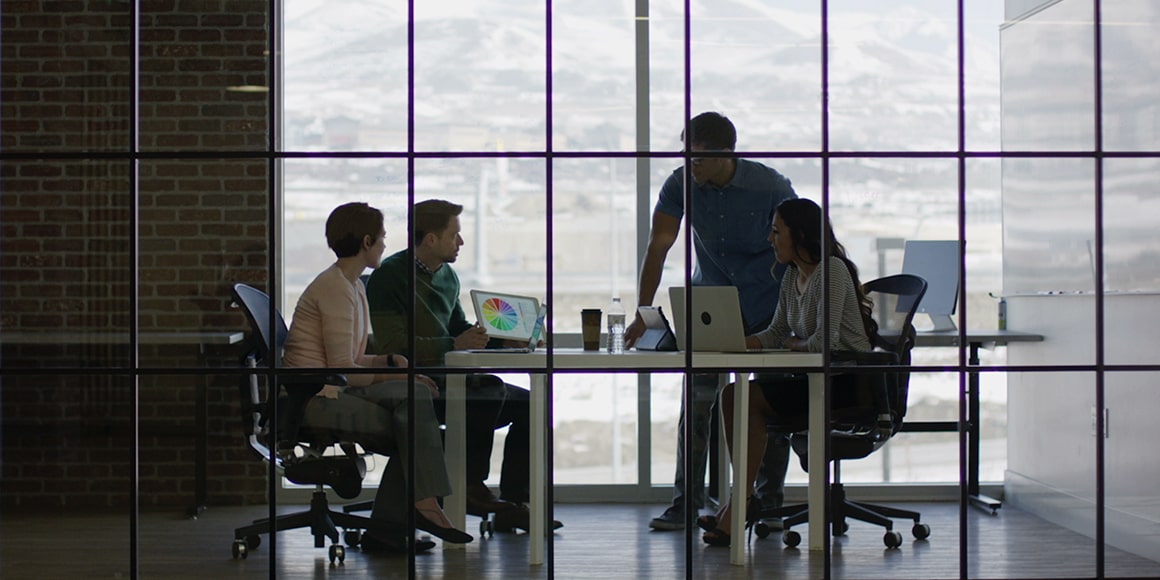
771	476
493	404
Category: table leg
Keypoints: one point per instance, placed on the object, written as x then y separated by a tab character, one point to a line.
738	497
974	423
455	454
718	454
817	461
201	443
537	449
201	451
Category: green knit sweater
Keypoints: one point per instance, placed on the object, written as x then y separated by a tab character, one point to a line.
439	316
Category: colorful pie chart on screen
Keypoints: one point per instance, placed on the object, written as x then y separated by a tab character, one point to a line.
500	314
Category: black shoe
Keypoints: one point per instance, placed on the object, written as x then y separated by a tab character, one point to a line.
718	538
447	534
482	502
378	544
518	519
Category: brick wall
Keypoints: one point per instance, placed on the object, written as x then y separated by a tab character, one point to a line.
65	259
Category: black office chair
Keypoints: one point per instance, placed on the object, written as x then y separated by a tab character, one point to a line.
299	453
858	431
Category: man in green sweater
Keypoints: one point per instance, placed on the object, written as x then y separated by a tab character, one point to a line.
441	326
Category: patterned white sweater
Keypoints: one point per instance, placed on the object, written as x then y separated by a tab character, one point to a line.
799	313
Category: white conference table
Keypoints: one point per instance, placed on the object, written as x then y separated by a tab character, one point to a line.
574	359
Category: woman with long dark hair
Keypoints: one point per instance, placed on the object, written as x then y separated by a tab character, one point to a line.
797	237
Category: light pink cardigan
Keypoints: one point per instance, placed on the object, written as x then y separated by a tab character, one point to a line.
330	314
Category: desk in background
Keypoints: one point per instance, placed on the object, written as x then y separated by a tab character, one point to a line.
631	362
199	338
976	339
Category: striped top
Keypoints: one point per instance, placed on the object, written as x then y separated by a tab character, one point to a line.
799	313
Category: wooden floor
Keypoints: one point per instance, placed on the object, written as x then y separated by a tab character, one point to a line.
598	541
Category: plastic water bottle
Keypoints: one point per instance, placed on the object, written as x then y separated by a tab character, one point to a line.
616	327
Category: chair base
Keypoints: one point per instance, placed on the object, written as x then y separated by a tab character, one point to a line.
487	527
322	521
843	508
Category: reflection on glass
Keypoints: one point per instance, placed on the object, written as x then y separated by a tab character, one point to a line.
344	87
1048	93
312	188
595	237
1131	245
1131	80
1052	477
593	76
479	76
893	76
204	78
200	232
67	79
1048	225
504	225
760	66
65	454
1130	509
595	429
65	249
984	242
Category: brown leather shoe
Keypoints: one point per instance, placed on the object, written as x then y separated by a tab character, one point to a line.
518	519
481	501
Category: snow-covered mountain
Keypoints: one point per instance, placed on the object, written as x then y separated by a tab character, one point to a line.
480	73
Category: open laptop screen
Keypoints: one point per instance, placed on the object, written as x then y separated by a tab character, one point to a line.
506	316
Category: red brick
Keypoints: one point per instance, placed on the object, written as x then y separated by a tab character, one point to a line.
64	7
48	51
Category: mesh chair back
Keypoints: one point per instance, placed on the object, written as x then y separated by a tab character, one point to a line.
255	304
896	299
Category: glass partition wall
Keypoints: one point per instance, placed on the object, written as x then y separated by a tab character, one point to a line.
155	154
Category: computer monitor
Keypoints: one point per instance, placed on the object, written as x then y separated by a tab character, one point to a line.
937	262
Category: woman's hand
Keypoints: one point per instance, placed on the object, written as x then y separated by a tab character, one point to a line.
752	342
328	391
390	360
797	343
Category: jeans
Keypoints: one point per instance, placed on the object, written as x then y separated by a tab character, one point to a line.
771	475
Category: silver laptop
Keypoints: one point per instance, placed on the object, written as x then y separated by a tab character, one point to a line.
717	323
537	330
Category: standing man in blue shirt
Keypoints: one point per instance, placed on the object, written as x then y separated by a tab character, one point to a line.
733	202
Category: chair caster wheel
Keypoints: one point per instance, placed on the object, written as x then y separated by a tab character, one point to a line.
337	552
762	530
892	539
791	538
920	531
239	550
352	538
486	527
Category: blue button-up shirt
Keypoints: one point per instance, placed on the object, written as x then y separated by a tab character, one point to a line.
731	234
